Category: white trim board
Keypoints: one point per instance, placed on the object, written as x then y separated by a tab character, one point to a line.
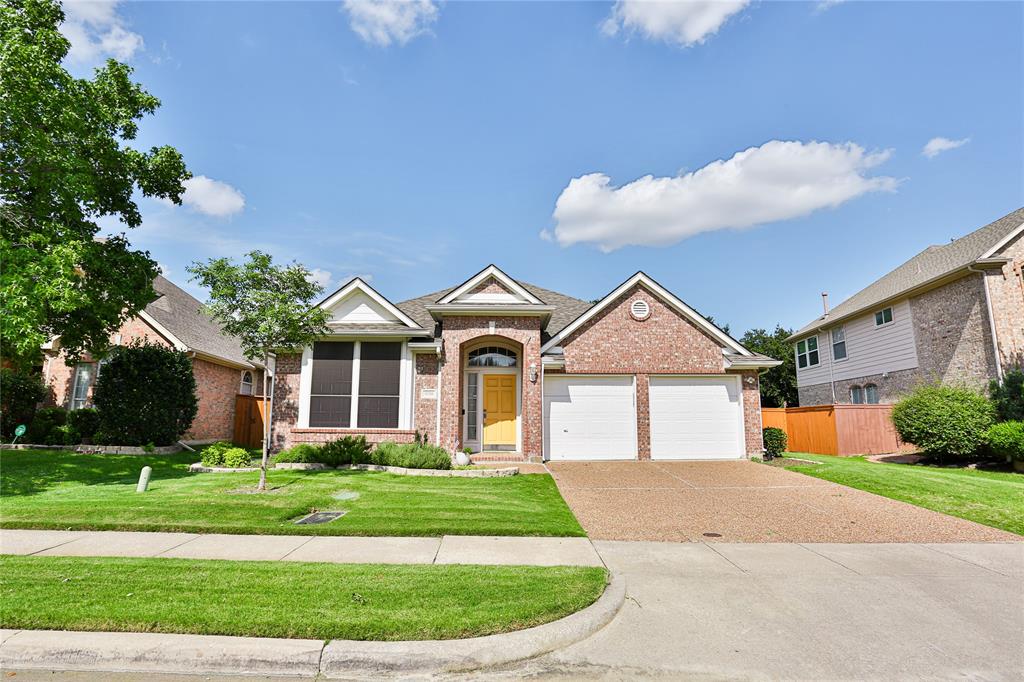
662	293
358	283
490	271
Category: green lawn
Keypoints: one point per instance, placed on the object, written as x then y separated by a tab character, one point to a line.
989	497
63	490
280	599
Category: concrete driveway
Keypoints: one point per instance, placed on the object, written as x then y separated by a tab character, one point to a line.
741	501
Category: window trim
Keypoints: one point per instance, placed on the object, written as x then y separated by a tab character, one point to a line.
807	352
867	396
832	338
251	384
884	323
94	373
859	392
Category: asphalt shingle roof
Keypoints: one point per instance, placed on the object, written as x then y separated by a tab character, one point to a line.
183	315
933	262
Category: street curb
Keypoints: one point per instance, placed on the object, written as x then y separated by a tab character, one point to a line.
343	659
148	652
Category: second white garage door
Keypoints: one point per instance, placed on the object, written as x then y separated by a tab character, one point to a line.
589	417
696	418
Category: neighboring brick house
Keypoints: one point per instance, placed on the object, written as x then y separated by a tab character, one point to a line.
177	320
514	371
953	313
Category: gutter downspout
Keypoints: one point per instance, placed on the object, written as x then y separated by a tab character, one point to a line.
991	323
437	407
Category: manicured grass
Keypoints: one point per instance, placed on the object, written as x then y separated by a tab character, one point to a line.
62	490
989	497
299	600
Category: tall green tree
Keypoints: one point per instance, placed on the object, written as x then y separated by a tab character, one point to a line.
268	307
778	384
65	162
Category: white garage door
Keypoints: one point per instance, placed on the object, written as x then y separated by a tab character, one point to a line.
591	417
696	418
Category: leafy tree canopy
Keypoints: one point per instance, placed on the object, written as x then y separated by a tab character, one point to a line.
778	384
65	162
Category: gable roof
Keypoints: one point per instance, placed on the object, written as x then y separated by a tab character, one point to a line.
934	263
357	284
491	271
180	315
665	295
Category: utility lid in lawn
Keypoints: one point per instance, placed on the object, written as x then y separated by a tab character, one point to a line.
320	517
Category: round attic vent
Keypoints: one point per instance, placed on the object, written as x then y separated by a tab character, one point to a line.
640	309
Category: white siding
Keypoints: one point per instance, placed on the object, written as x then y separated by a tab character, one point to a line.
870	350
358	308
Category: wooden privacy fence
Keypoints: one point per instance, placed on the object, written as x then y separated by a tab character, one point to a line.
836	429
249	412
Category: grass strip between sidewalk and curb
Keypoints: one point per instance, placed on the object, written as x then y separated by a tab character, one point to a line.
70	491
992	498
310	601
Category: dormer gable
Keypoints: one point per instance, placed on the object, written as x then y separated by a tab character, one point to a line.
490	286
358	304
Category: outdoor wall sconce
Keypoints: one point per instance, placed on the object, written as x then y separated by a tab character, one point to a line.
533	372
749	380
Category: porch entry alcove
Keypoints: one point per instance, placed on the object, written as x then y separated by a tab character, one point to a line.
491	396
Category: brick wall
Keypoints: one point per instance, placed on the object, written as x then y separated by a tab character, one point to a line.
461	331
425	410
216	388
752	413
891	387
1006	293
952	334
613	342
490	286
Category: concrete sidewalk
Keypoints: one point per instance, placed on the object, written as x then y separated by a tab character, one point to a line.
450	549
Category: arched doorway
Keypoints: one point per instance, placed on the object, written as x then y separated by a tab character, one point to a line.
491	396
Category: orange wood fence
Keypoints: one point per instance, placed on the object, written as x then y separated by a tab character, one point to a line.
836	429
249	412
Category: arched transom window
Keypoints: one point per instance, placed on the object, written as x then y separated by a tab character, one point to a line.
492	356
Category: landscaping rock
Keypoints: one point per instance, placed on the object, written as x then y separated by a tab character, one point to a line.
302	466
200	469
458	473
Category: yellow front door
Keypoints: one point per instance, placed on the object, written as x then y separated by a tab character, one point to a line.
499	410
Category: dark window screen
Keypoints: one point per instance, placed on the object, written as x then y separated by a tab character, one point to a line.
380	367
331	395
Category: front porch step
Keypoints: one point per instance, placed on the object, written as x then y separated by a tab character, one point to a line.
481	457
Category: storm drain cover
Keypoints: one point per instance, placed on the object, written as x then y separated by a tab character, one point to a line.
712	535
320	517
346	495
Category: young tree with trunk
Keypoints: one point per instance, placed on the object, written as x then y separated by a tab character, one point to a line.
65	162
269	308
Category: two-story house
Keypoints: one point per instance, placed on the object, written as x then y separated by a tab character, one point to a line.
953	313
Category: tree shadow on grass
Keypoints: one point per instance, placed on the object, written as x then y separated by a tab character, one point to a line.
28	472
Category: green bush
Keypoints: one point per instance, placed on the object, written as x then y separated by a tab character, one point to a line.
303	453
344	450
46	419
86	421
224	454
1007	440
1009	396
775	441
237	458
944	420
145	394
19	394
411	456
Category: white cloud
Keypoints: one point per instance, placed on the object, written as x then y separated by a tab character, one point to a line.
97	31
382	22
212	197
776	181
164	270
321	277
937	145
682	22
825	5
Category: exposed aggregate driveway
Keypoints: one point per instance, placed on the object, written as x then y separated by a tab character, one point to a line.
741	501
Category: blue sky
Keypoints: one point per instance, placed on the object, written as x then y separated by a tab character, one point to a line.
415	143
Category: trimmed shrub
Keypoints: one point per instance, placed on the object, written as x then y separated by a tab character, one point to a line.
19	395
1008	396
411	456
224	454
46	419
145	394
65	434
775	441
944	420
1007	440
85	421
237	458
303	453
344	450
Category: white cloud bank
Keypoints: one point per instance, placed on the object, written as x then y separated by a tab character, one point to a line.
382	22
681	22
212	197
937	145
97	31
320	277
776	181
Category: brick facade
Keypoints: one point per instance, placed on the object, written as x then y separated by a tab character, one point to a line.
1006	293
425	409
891	387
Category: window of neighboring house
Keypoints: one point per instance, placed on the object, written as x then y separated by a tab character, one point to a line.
85	375
839	343
856	395
355	384
871	394
883	316
807	352
245	388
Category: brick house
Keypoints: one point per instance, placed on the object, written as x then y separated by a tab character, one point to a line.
953	313
514	371
174	319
